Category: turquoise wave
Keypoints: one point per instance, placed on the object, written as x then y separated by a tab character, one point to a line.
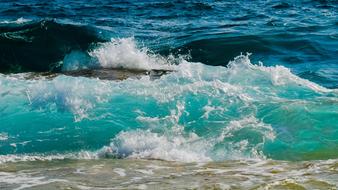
196	113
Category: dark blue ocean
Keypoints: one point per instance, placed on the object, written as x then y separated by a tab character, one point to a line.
241	86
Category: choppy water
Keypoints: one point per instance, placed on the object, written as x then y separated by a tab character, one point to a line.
250	101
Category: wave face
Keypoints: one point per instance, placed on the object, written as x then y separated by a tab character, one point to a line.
40	46
217	102
197	113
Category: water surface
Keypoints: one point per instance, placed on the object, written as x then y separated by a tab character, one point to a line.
251	94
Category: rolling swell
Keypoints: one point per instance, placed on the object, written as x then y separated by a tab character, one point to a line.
285	48
306	57
45	45
39	46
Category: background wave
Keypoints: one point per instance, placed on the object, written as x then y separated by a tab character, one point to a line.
300	35
40	46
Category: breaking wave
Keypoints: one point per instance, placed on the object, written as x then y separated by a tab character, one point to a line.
197	113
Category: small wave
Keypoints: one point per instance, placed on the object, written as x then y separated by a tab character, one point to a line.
174	145
83	155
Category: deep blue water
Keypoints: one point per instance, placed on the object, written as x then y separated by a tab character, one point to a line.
281	102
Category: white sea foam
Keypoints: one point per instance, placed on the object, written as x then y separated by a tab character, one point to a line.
124	53
174	145
20	20
3	136
22	180
85	155
278	75
146	144
121	172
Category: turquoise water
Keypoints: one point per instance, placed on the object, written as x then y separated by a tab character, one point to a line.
196	113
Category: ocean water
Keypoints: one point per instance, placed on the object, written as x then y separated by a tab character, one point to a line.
244	95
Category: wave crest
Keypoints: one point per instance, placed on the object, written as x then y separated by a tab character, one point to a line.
124	53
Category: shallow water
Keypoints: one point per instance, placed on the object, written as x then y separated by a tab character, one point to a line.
250	102
154	174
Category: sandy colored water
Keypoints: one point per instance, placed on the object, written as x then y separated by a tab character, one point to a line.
156	174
